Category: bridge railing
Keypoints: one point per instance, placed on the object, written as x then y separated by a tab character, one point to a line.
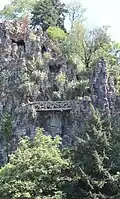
52	105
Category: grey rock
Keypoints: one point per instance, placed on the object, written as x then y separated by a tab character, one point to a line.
30	76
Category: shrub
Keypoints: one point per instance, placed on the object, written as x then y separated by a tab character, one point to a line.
61	78
34	170
56	33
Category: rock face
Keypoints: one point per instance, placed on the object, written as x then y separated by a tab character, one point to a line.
103	89
40	73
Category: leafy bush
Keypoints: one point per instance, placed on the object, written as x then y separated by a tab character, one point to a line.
34	170
61	78
7	126
7	131
76	88
56	33
47	56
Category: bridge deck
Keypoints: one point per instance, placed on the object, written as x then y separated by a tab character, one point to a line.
52	105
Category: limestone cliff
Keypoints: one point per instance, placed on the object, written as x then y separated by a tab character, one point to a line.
36	87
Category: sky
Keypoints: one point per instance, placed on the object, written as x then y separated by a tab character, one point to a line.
103	12
98	13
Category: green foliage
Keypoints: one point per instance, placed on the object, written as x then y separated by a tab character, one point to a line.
34	170
47	56
76	88
39	169
6	126
90	175
73	44
31	75
17	9
48	13
90	169
95	44
61	78
88	46
56	33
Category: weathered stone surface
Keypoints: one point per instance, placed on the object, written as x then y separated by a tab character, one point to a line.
103	89
30	76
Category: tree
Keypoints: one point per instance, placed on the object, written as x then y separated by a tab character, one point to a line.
48	13
115	142
95	41
17	9
34	170
90	176
73	44
88	46
75	12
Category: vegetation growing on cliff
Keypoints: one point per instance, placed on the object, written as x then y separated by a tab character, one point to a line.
42	168
7	131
